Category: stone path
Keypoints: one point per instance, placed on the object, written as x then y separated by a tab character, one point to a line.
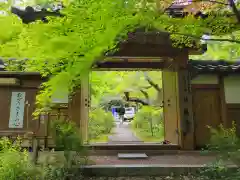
122	134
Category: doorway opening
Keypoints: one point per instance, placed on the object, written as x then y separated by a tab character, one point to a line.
133	107
126	107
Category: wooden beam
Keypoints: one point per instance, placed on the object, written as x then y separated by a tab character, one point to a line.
134	59
129	65
205	86
142	63
233	106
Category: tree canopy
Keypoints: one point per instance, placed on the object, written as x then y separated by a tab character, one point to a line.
142	87
65	47
222	50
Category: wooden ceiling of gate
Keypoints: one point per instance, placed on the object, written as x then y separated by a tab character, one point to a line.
133	63
146	50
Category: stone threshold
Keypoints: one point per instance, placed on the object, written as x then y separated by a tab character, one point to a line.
143	170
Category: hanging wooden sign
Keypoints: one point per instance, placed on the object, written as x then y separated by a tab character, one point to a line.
17	110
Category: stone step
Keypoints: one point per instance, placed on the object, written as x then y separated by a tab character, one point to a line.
143	170
124	142
132	156
146	178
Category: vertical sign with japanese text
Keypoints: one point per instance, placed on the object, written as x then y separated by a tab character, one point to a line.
17	110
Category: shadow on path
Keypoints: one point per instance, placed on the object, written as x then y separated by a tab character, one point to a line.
123	134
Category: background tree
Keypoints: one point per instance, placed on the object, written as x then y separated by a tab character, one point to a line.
143	88
221	50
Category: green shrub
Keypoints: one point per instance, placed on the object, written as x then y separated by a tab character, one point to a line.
68	139
15	164
67	134
100	122
149	120
224	139
225	142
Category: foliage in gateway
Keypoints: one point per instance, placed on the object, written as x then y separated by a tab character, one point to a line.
100	123
148	124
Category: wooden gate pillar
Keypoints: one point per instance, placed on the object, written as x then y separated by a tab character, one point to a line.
85	104
74	107
79	108
184	98
185	110
178	114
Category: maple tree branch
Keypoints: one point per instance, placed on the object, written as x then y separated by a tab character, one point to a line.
145	87
234	9
148	79
145	94
168	7
137	100
134	99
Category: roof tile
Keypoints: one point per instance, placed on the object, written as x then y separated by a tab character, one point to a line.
207	66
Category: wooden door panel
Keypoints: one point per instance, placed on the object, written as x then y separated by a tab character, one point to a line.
206	107
5	104
170	106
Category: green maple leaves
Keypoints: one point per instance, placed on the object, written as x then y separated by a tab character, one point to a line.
89	29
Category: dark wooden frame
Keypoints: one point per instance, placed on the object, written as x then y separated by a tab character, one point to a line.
205	86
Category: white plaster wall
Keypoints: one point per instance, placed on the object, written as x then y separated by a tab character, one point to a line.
232	89
205	79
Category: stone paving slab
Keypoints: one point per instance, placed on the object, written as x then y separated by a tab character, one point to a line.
132	156
123	133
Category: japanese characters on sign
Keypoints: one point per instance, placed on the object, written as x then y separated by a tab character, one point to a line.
17	110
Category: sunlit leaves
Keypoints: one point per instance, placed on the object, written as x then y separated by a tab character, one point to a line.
222	50
66	48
